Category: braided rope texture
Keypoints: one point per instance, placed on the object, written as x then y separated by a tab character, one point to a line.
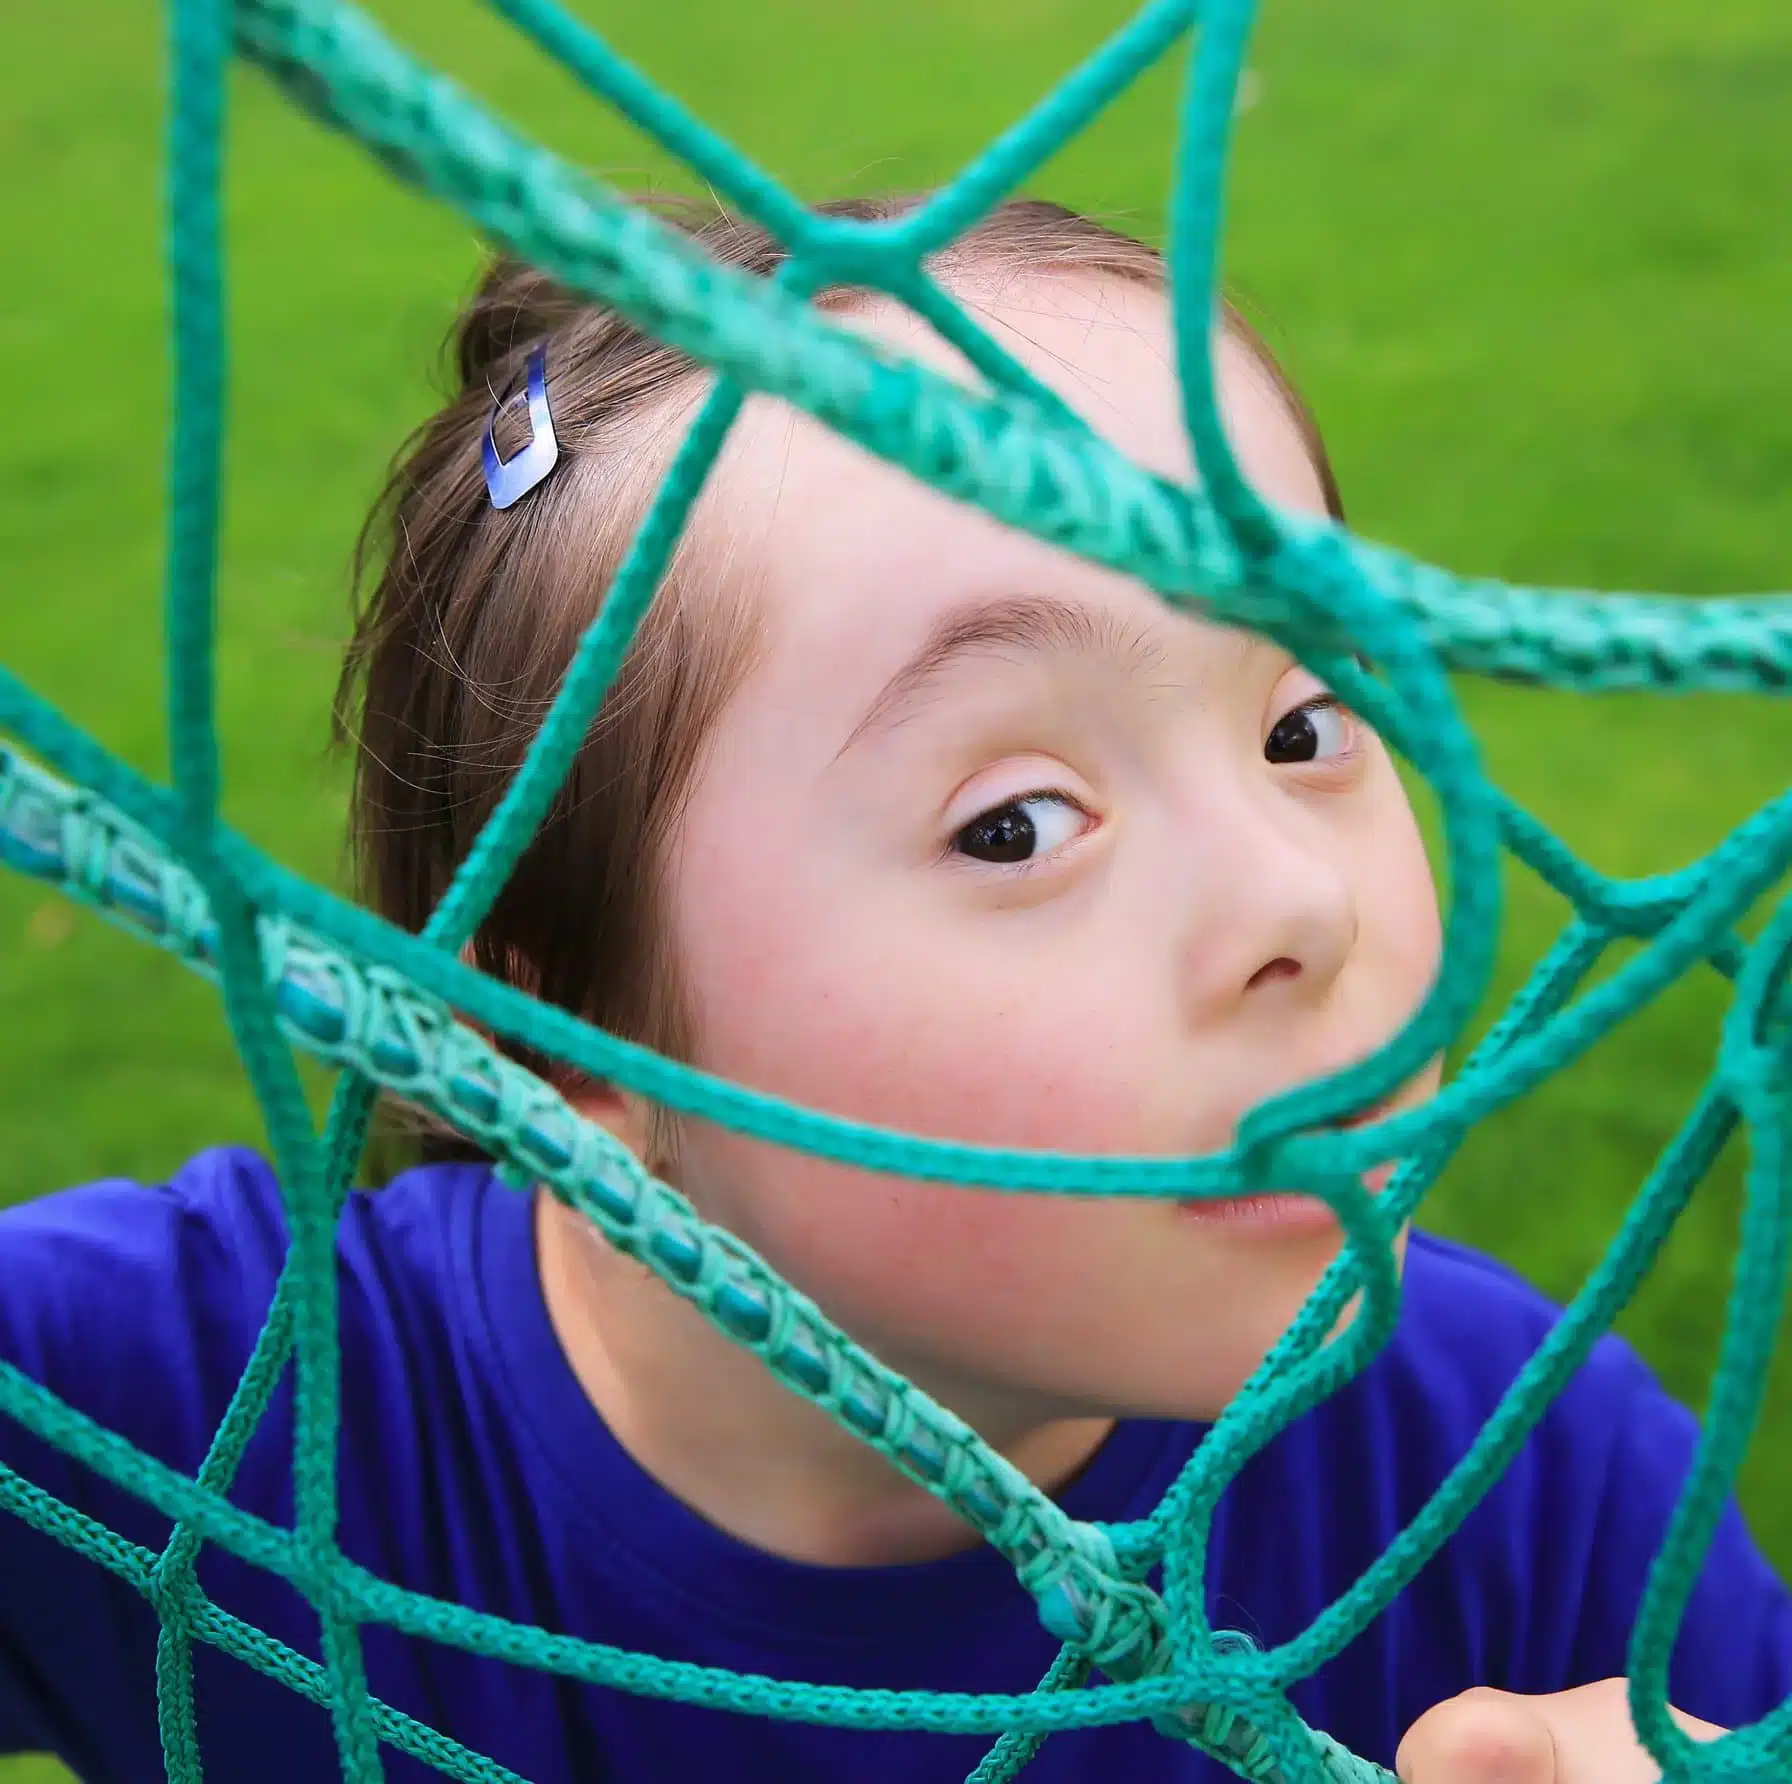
300	971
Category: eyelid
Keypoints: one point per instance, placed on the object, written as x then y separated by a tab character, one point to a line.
1024	775
987	807
1298	675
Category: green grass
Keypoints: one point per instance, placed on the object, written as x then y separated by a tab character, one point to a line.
1528	258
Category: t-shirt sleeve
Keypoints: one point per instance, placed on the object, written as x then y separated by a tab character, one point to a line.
128	1303
1732	1662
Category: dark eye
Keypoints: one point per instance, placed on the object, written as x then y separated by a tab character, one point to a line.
1019	830
1315	731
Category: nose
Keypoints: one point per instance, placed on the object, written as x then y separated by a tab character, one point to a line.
1273	916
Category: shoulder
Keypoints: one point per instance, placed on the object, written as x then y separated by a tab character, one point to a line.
140	1302
1471	1325
221	1212
138	1305
1583	1509
118	1254
1470	1331
1473	1335
1453	1288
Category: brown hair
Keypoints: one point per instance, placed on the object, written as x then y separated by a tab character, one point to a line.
466	632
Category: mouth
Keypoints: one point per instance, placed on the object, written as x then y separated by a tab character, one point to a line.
1376	1112
1280	1214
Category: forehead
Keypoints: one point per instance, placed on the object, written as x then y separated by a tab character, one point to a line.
835	537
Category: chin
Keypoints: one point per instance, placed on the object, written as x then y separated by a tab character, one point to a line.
1195	1369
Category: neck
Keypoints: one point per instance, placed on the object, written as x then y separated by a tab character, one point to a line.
710	1423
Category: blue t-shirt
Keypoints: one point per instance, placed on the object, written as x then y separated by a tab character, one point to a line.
474	1469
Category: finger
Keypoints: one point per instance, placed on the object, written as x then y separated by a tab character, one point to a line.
1482	1737
1596	1742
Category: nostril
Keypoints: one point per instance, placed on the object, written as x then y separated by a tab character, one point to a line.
1282	967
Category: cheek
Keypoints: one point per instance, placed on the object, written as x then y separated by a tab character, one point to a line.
1083	1305
817	1001
897	1260
858	1015
1397	901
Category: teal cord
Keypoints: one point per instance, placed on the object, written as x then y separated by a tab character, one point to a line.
301	971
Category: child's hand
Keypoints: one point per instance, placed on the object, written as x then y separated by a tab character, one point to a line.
1570	1737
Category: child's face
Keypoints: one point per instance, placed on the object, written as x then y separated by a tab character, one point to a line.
992	845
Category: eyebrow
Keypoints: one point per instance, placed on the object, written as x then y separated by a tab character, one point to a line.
1035	625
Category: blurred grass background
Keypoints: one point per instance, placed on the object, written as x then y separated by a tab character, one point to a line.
1528	258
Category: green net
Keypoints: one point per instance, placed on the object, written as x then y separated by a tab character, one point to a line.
302	971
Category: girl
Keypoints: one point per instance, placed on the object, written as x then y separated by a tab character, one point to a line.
899	814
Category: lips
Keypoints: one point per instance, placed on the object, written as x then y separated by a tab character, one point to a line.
1388	1105
1369	1116
1280	1213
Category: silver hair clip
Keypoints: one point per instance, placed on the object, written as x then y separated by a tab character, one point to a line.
510	479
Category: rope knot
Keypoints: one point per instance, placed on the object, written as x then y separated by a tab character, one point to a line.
1085	1600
